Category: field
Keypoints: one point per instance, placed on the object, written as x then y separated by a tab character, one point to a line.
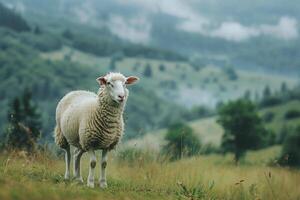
210	177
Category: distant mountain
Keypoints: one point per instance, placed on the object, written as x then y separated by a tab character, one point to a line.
243	33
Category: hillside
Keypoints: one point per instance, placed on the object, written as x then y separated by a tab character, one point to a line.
179	82
210	132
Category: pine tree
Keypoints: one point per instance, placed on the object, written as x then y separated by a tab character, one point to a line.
24	123
148	70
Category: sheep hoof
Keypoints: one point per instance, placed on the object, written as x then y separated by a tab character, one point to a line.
79	179
67	176
90	184
103	184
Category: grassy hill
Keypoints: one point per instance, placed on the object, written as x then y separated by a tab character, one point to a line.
181	83
209	131
214	177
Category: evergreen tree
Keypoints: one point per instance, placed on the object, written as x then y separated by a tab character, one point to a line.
24	123
267	92
10	19
112	65
162	67
148	70
243	128
291	149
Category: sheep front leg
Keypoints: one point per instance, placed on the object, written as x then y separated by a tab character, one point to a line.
76	168
102	180
90	180
67	160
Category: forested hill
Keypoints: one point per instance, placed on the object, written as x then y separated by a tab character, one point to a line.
21	66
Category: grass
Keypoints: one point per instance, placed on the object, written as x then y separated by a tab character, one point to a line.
203	177
279	112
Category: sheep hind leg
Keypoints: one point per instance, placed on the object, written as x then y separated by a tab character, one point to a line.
68	161
102	179
76	167
91	177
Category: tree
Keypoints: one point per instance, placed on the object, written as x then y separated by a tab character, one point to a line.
230	73
247	95
291	149
112	65
284	88
12	20
24	123
267	92
243	128
162	67
181	141
148	70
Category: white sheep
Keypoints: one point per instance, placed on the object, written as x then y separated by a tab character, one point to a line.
90	122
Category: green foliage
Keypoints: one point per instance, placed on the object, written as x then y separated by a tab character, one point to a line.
162	67
148	71
181	141
243	127
24	125
109	46
267	92
10	19
196	63
43	42
292	114
199	192
291	149
230	73
268	117
112	64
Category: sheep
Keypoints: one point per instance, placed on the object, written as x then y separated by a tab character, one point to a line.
90	122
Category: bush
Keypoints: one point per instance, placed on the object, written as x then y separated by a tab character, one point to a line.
268	117
292	114
148	71
291	149
230	73
270	101
181	141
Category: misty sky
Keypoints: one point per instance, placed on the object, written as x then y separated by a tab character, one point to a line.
232	20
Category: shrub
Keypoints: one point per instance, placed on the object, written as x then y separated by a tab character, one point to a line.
292	114
230	73
148	70
268	117
291	149
181	141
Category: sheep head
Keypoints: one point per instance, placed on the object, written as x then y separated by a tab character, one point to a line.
115	84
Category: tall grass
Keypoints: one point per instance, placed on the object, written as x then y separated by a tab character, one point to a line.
204	177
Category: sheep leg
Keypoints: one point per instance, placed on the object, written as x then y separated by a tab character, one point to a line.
102	180
90	181
67	160
76	168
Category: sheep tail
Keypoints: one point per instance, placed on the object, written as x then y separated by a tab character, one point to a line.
60	140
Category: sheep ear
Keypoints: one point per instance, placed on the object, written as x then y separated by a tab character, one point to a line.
131	80
101	80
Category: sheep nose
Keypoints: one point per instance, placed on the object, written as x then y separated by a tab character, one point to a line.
121	97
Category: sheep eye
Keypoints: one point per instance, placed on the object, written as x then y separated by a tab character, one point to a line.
109	83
